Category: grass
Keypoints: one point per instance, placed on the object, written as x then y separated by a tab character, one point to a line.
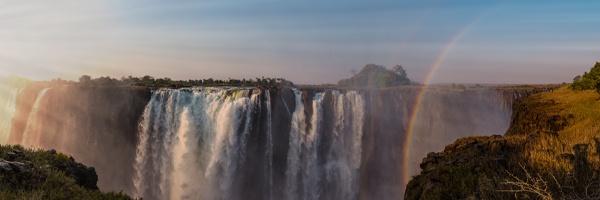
554	140
581	109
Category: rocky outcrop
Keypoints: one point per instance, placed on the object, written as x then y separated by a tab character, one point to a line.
40	174
18	165
531	152
533	115
465	169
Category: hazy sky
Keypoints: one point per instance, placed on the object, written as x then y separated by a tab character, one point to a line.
303	41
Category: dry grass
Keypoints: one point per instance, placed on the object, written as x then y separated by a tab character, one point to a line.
550	151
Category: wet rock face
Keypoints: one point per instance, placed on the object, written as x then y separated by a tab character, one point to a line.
94	124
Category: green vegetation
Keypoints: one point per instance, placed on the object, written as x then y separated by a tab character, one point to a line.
377	76
589	80
38	174
551	151
149	81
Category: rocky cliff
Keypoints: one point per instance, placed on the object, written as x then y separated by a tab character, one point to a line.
29	174
550	151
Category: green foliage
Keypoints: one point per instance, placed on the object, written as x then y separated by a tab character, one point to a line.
44	175
588	81
377	76
149	81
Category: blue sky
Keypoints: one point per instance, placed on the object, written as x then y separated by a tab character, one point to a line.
307	42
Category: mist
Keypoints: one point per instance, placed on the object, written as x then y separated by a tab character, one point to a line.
349	144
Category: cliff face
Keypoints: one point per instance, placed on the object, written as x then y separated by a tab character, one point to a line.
549	152
96	125
535	115
286	143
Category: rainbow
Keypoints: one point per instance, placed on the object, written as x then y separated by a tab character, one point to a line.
418	100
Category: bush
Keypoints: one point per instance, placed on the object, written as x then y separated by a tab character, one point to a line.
588	81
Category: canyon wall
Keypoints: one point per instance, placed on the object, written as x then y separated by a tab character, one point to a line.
249	143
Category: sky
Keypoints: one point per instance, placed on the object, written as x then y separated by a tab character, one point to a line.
307	42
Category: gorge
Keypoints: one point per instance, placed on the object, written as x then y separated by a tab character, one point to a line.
251	143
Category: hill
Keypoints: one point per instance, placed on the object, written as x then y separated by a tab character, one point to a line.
39	174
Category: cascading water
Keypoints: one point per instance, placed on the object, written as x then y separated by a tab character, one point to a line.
302	157
194	145
8	103
269	154
343	161
33	129
249	143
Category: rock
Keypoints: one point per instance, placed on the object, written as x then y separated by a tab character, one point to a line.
22	167
11	155
10	166
5	166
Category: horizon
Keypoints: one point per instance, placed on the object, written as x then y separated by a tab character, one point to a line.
309	43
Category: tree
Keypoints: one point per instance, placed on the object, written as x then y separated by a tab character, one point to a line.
373	75
147	80
398	69
588	81
85	79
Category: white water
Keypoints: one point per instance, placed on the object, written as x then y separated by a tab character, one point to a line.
269	151
7	113
341	170
344	160
192	142
309	169
293	163
192	145
33	130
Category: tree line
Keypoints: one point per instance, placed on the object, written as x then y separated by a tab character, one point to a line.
149	81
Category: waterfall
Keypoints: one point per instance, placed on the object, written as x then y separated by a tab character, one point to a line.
269	149
32	134
192	142
343	161
8	112
307	176
248	143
